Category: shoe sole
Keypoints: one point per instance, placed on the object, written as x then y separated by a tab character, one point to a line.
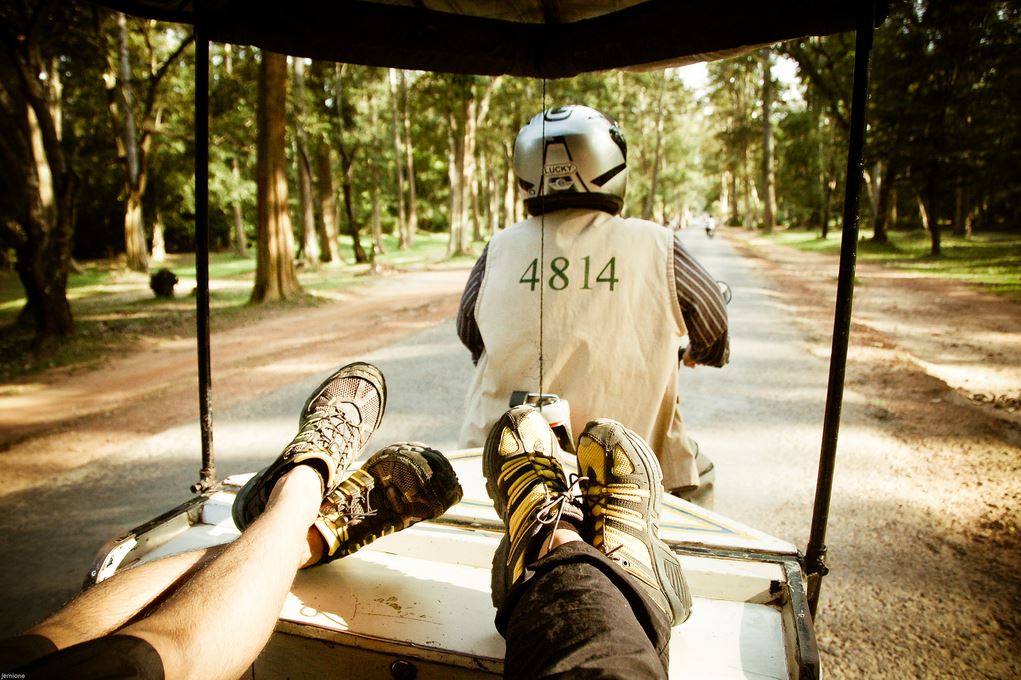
357	369
417	475
433	473
665	562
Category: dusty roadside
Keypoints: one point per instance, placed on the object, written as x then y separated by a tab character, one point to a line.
62	420
926	557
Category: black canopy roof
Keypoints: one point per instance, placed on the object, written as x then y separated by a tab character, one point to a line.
539	38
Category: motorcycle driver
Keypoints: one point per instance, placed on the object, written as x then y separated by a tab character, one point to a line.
581	302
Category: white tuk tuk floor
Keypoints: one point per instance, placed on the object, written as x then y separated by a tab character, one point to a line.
423	594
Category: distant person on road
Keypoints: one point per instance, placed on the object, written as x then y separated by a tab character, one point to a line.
710	226
581	302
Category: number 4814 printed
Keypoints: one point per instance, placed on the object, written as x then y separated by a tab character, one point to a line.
562	273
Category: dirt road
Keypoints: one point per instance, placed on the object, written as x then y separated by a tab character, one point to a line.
925	525
924	530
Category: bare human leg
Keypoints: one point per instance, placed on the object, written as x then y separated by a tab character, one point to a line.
107	606
223	616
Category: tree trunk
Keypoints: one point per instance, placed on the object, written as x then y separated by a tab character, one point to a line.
133	129
962	212
330	248
240	240
159	244
657	154
455	177
495	199
726	197
735	208
347	188
409	161
884	201
402	216
42	188
510	195
455	172
828	190
275	277
134	180
134	234
927	211
376	224
309	240
375	175
768	171
750	194
347	165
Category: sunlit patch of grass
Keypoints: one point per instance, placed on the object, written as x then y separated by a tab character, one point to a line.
114	309
990	260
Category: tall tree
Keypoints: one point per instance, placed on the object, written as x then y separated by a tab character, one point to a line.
275	277
825	66
43	185
657	155
135	120
734	91
398	144
329	248
347	147
466	109
768	170
309	238
409	159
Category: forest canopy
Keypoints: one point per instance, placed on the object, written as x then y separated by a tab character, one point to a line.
98	160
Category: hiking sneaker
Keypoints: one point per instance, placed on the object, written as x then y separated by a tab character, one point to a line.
623	494
529	491
335	423
398	486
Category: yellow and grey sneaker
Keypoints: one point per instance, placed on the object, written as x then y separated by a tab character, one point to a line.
335	423
529	491
398	486
623	494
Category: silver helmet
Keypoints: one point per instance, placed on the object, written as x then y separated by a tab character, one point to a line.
571	157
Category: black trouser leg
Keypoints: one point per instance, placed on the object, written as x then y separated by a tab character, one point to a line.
579	613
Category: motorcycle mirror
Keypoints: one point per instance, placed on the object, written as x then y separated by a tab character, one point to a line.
725	291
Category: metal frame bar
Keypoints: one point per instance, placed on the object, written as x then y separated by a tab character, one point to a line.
815	552
207	476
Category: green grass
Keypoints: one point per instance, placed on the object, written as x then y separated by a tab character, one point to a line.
114	309
992	261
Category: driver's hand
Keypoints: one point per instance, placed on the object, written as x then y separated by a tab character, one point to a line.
687	360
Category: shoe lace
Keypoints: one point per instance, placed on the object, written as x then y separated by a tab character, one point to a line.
353	504
552	509
323	428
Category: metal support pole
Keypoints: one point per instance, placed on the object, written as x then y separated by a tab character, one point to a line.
207	476
815	552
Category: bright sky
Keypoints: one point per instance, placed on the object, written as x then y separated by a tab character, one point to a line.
696	76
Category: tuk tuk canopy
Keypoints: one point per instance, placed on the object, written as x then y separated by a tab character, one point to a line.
533	38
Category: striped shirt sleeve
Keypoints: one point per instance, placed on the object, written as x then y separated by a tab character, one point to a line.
703	308
467	327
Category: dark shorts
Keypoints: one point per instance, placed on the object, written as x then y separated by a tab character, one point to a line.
113	656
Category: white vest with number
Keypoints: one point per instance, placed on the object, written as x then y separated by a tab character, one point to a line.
610	322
